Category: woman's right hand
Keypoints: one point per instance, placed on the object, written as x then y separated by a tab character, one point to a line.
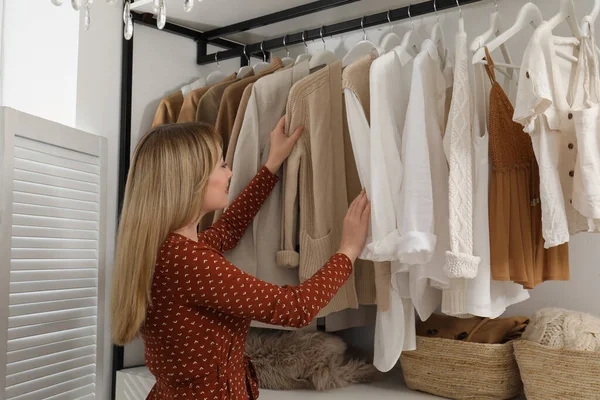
356	227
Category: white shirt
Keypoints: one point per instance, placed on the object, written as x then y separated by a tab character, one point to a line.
390	79
550	111
390	85
424	215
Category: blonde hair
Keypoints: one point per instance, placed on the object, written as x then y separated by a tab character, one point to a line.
164	192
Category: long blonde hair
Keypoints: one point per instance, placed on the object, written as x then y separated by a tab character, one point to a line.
164	192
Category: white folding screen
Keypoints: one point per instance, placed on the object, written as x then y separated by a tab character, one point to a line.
52	202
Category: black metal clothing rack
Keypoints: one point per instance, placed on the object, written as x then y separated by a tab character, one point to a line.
233	50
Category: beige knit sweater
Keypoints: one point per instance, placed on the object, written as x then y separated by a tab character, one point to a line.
315	180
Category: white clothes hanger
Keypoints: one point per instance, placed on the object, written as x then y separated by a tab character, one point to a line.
391	39
591	17
529	14
304	56
261	66
437	35
494	31
324	57
216	76
566	13
411	38
246	69
361	48
287	60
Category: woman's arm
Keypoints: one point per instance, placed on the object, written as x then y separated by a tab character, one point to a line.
224	234
215	283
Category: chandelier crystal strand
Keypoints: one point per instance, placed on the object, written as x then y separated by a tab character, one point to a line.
87	18
57	2
76	4
128	21
156	6
161	21
188	5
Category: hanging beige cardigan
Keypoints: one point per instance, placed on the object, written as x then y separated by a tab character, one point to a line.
315	179
168	110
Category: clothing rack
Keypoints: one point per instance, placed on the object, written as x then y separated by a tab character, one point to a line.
233	50
367	21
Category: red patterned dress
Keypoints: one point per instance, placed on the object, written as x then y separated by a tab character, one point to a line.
196	328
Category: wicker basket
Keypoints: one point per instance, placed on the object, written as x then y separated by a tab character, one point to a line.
462	370
557	373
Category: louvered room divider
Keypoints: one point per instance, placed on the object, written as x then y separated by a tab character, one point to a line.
52	233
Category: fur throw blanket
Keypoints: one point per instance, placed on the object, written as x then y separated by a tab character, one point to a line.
304	360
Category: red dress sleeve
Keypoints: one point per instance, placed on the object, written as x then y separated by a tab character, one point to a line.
210	281
224	234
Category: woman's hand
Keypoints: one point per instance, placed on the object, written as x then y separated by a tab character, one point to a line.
356	227
281	146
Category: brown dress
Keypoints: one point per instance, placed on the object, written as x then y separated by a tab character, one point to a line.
516	243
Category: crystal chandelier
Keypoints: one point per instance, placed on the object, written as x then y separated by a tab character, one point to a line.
160	10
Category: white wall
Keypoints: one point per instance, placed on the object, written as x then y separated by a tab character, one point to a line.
98	112
39	59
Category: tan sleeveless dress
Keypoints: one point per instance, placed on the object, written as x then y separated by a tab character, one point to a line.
516	243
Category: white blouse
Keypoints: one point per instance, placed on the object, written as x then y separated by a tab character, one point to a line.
550	106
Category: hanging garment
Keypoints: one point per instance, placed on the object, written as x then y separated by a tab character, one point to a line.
394	328
190	103
517	246
235	133
197	84
355	82
237	125
315	179
424	219
481	295
461	264
168	110
231	102
208	107
550	106
256	251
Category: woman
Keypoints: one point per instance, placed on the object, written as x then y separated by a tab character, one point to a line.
174	286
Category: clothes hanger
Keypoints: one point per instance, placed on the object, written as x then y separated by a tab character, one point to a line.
566	13
591	17
437	35
493	31
304	56
246	69
391	39
261	66
324	57
216	76
287	60
411	38
529	14
361	48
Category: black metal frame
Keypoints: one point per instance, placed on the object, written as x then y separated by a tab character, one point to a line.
237	50
337	29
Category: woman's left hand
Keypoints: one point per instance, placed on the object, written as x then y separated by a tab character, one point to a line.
281	145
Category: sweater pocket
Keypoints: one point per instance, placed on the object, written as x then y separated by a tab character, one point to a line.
314	253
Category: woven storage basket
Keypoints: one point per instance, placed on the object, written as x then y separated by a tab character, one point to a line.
462	370
550	374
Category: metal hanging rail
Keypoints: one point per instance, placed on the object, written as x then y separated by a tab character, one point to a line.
335	29
275	17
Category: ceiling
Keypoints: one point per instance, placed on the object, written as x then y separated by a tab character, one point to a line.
209	14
